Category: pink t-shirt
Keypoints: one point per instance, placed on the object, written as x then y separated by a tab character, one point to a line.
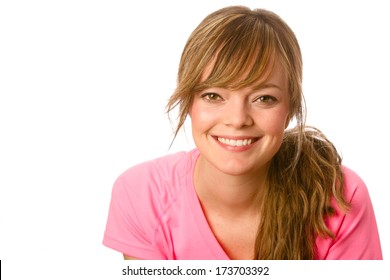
155	214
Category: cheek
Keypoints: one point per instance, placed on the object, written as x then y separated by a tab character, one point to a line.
275	122
201	117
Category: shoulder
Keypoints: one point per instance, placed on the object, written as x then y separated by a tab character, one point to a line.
163	168
357	194
144	198
356	232
157	180
356	191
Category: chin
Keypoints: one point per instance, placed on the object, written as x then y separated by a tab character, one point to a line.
236	170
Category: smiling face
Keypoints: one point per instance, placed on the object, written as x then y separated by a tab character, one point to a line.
238	131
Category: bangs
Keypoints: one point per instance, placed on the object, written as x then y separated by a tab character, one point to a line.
245	56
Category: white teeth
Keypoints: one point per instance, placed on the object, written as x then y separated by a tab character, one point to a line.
235	143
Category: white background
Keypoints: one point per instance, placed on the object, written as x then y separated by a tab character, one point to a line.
83	87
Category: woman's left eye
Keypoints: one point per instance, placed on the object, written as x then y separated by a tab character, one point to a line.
267	99
211	96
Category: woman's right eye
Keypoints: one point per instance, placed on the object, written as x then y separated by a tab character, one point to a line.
211	96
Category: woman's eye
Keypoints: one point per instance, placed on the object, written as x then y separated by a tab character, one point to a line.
267	99
210	96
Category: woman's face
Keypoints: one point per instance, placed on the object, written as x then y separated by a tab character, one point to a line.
238	132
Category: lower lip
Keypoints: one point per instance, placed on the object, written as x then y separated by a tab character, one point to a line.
235	148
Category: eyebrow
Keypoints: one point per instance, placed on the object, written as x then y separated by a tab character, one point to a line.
266	85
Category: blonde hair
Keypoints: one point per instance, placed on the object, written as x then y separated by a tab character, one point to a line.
241	44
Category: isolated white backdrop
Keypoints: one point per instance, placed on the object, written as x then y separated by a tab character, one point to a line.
83	87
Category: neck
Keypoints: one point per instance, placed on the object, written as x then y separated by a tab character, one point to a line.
230	194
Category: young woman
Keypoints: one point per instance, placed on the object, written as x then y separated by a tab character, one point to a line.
252	189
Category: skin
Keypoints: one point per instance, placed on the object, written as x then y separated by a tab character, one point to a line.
129	258
228	178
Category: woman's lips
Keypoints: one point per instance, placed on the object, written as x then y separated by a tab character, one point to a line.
235	142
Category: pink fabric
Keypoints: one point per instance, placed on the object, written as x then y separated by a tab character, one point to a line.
155	214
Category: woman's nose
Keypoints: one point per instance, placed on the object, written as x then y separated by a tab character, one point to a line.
237	114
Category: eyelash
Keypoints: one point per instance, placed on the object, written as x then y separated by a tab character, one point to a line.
212	97
269	99
208	96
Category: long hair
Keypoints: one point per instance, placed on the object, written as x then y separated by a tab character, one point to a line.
305	174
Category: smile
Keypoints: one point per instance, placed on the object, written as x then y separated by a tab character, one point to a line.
237	142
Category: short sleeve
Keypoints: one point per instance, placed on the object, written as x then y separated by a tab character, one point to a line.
131	221
357	233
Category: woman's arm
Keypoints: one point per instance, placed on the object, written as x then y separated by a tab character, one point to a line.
126	257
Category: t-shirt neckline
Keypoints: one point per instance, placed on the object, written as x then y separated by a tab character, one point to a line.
198	214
